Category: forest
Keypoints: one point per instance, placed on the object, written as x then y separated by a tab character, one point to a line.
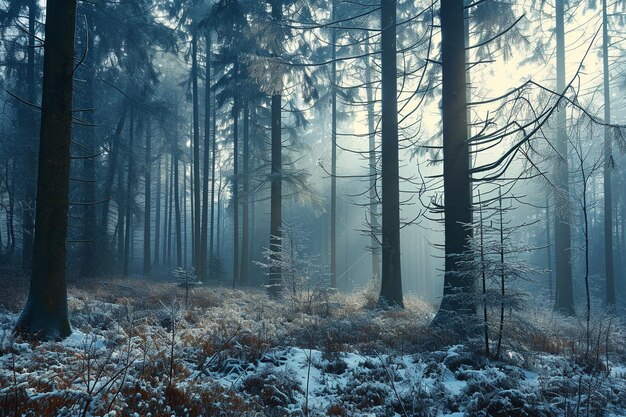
309	208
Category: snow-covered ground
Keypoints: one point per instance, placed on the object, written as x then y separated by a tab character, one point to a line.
137	352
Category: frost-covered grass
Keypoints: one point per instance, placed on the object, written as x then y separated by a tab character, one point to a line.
138	350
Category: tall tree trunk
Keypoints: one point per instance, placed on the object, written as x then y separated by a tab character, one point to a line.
121	216
245	232
213	163
170	210
276	193
112	167
219	213
373	203
333	157
562	234
235	190
89	235
191	193
179	246
549	248
45	313
129	195
147	225
166	184
483	272
28	204
391	285
205	179
184	214
157	220
458	291
11	210
502	274
608	159
196	156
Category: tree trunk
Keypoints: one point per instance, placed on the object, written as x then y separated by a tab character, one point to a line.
170	210
184	214
28	205
45	313
245	232
89	235
562	234
373	203
213	161
196	156
121	215
391	285
147	262
235	190
458	291
549	248
157	224
608	159
166	200
276	194
205	179
483	271
177	223
219	213
108	186
333	157
502	274
130	196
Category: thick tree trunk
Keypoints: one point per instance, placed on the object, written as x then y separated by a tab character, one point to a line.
245	232
562	234
608	158
459	287
45	315
391	285
147	225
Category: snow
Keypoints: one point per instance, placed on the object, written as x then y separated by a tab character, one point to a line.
235	359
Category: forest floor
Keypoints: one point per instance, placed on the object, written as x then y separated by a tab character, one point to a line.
141	348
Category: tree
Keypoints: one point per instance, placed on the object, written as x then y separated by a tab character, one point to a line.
391	286
333	158
608	166
458	284
45	315
147	262
275	274
562	234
